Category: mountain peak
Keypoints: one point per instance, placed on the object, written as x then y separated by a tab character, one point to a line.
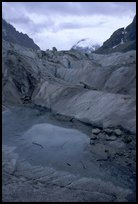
86	45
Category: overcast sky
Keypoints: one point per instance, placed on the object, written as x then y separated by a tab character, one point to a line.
62	24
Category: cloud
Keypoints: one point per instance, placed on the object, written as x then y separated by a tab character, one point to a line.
75	8
23	20
77	24
53	22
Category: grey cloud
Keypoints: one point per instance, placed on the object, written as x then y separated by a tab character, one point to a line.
22	20
49	8
76	8
16	15
72	25
77	25
26	22
19	13
107	8
51	17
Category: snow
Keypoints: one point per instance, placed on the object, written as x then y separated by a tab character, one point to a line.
124	32
122	42
115	46
87	43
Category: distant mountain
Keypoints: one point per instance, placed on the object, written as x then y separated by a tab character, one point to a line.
10	34
122	40
86	45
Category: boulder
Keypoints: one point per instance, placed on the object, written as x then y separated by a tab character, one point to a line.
118	132
108	131
127	139
92	142
93	137
96	131
112	138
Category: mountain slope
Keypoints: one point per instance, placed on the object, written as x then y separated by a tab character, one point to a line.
10	34
122	40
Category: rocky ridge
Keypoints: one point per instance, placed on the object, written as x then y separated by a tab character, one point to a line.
122	40
10	34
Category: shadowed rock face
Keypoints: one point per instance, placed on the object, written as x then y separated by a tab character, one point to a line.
122	40
10	34
96	89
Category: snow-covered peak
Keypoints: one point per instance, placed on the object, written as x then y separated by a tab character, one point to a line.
87	42
87	45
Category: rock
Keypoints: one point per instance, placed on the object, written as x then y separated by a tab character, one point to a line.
118	132
120	154
129	164
99	151
93	137
96	131
87	86
134	173
131	197
112	138
92	142
108	131
117	144
127	139
102	135
54	49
